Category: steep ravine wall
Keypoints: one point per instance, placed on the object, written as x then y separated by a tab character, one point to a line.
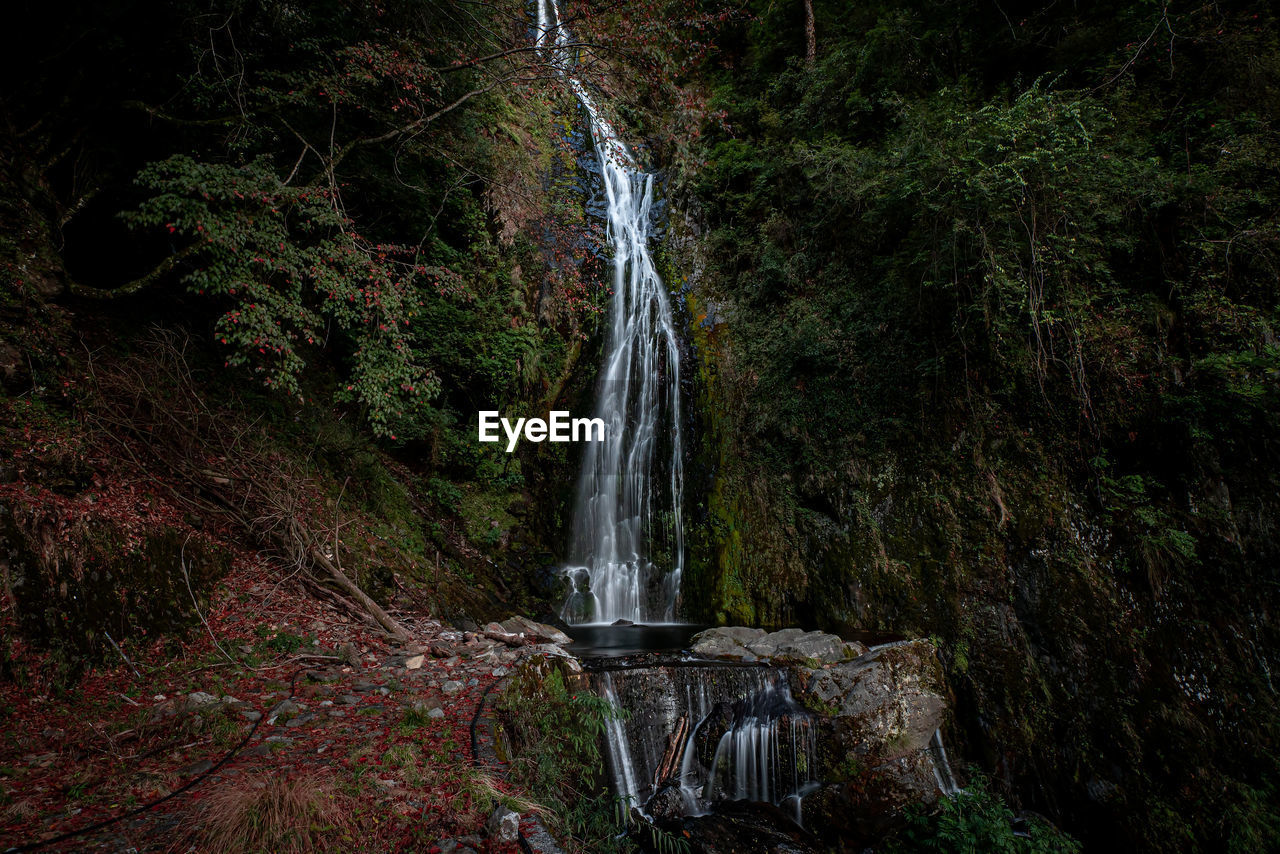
1125	702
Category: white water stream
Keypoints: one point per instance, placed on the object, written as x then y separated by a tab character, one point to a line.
627	551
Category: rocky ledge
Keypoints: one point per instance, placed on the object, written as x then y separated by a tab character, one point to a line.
875	714
739	643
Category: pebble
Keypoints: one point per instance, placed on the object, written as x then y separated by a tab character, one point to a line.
451	687
284	708
196	768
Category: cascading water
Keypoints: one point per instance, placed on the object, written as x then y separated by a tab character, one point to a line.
707	733
627	552
768	754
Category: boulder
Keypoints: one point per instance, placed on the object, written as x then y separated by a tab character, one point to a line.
504	826
881	706
792	645
739	826
535	631
800	646
726	642
666	804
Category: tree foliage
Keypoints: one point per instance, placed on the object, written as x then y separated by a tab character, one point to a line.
989	316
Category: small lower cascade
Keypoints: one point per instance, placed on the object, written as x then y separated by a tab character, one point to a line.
697	735
749	740
942	768
621	765
769	753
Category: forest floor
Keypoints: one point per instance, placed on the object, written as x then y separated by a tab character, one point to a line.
279	712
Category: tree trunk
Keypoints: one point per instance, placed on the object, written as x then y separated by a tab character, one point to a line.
393	628
810	35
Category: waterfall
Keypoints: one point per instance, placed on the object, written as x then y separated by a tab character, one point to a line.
701	734
618	748
942	768
627	551
768	754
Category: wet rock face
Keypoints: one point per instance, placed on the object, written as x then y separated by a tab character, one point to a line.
706	738
880	706
860	812
847	747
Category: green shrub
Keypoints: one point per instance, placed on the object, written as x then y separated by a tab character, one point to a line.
979	822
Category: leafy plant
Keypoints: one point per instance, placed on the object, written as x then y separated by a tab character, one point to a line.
555	737
978	822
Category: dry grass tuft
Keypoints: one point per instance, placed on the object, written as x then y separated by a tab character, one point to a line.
263	813
19	810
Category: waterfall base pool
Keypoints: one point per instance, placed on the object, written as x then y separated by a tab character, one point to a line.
614	641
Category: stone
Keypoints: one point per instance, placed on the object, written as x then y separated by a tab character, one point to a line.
362	686
349	699
435	714
284	709
414	662
799	646
666	804
427	705
251	715
880	707
726	642
792	645
862	811
350	655
195	768
451	687
321	676
504	826
853	649
199	698
740	826
301	719
534	630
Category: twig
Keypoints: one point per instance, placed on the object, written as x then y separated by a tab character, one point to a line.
117	648
182	561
